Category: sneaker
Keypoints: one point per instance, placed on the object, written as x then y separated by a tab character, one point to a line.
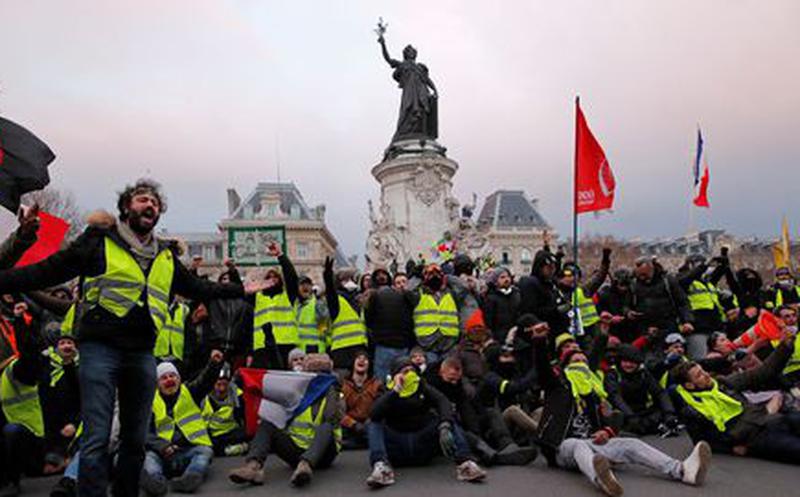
302	474
470	471
154	486
187	483
696	465
236	449
64	488
514	455
605	479
252	472
382	475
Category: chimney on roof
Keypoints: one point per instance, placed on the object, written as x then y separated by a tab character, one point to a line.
234	201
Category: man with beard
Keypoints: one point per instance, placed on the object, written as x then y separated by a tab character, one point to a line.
347	333
388	317
311	316
128	277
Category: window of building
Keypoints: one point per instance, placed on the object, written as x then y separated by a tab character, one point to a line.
525	256
505	259
303	250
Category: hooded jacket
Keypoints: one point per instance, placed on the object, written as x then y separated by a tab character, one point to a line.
662	301
86	257
540	297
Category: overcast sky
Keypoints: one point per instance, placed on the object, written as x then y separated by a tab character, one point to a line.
198	93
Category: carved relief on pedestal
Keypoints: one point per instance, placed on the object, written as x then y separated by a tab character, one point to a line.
427	183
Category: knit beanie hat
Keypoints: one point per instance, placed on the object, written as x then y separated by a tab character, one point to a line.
166	368
296	353
317	363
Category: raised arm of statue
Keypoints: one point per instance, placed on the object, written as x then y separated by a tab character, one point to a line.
389	60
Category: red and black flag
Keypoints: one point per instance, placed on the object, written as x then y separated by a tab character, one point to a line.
23	163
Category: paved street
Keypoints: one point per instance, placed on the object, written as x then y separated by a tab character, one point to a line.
729	477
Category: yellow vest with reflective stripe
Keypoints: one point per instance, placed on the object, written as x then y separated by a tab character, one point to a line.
277	311
794	361
309	332
348	329
221	420
170	337
68	323
714	405
304	426
705	297
587	309
120	288
430	316
21	402
779	296
185	414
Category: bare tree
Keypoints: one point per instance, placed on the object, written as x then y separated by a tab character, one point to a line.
59	203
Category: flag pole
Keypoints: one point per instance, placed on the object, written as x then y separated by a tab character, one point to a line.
575	320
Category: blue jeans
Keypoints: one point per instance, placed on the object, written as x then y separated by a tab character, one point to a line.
107	373
71	470
414	448
195	459
383	360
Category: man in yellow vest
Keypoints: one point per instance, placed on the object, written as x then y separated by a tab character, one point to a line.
179	446
23	423
700	286
785	291
306	440
347	333
171	336
437	323
717	411
274	319
791	373
575	292
312	317
128	276
61	401
223	411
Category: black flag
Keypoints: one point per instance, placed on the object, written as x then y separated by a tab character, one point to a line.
23	163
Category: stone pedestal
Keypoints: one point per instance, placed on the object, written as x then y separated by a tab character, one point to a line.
416	206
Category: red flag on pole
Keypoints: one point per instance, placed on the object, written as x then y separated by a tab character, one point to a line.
594	180
51	234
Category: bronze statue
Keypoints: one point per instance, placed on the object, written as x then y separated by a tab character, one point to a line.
418	106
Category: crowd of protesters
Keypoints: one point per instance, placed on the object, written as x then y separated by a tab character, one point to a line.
115	354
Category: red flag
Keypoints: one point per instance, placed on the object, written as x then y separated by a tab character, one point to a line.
51	234
594	180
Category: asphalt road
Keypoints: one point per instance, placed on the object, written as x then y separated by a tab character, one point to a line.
729	477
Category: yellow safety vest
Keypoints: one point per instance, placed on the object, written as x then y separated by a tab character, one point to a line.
430	317
68	323
587	309
714	405
794	361
170	337
583	381
304	426
121	287
779	297
56	366
185	414
21	402
705	297
220	420
309	332
348	329
278	312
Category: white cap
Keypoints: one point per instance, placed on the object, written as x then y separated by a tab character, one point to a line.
166	368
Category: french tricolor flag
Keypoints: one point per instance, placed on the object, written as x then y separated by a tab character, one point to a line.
700	179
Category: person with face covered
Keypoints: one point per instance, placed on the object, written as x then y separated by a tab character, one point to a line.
179	446
388	315
580	297
61	402
785	291
578	428
229	326
128	277
748	286
347	333
412	423
718	411
436	314
223	412
274	316
658	302
616	299
311	318
501	304
541	297
632	390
